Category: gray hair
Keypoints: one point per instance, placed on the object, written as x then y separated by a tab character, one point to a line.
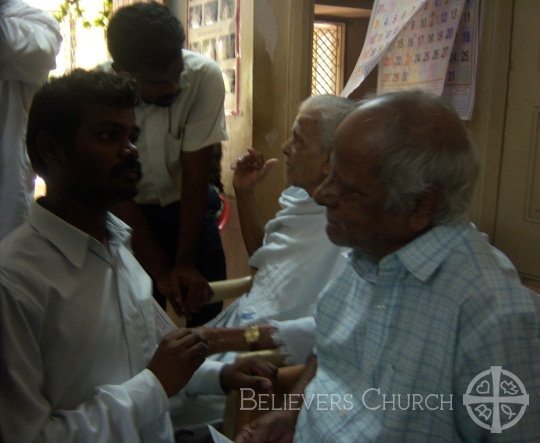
333	110
424	144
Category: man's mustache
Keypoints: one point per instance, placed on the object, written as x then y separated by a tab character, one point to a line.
131	165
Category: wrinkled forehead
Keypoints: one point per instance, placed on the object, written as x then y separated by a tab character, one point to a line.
360	138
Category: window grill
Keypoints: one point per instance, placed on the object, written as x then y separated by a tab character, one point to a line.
327	63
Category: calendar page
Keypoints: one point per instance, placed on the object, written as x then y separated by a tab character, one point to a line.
460	83
388	19
419	56
426	44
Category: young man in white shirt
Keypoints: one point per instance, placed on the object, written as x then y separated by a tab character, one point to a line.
181	117
79	361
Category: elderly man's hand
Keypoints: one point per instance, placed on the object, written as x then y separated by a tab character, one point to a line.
250	169
249	372
214	338
273	427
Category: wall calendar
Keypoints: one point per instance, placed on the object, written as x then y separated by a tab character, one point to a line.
427	44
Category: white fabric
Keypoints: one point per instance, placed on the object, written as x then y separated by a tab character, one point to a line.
295	339
195	120
294	264
29	42
205	381
76	333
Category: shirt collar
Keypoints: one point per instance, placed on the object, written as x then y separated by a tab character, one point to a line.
73	243
421	257
425	254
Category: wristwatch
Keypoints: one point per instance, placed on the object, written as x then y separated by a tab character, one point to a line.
252	334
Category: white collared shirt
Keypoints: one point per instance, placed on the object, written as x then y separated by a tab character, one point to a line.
399	342
76	334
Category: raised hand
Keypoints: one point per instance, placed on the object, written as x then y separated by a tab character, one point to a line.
250	169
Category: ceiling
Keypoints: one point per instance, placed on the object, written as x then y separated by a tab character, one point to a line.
344	8
341	11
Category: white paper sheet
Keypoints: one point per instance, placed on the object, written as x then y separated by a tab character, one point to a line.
218	437
426	44
387	20
419	56
164	324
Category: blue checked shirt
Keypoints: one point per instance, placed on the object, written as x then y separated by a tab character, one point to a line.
399	343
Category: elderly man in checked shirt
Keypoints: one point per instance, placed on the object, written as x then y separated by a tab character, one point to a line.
426	317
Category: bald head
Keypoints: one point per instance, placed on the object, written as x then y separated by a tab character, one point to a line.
402	163
418	141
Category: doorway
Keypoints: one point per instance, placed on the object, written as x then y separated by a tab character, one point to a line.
517	223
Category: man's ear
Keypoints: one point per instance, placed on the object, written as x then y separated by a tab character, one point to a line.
426	208
326	169
49	149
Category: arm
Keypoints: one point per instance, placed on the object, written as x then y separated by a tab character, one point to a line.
29	42
204	126
250	372
232	339
217	378
249	170
294	338
195	166
278	426
171	277
146	249
110	412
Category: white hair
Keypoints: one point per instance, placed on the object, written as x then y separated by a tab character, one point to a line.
424	144
333	110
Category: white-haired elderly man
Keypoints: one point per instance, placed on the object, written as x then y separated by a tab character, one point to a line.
292	256
423	335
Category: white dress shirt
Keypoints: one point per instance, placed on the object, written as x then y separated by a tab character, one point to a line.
295	262
76	334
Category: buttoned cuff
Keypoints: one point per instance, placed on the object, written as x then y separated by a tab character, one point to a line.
149	398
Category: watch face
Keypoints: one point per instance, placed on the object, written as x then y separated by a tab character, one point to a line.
252	334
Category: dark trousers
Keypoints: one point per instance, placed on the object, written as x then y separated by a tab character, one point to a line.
210	260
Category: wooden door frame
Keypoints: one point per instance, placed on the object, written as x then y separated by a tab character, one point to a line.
487	124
